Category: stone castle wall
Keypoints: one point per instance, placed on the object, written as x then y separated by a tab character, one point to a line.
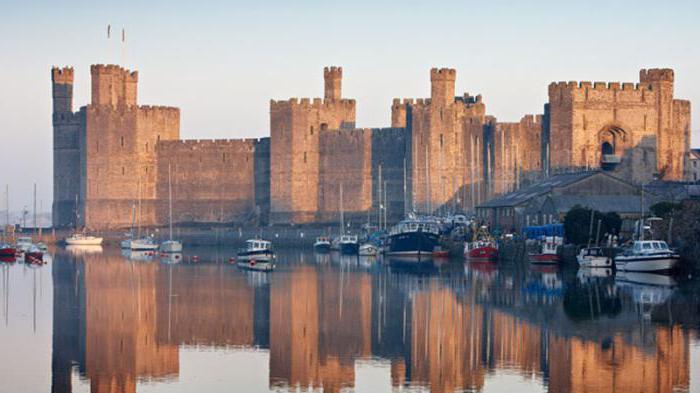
441	154
212	181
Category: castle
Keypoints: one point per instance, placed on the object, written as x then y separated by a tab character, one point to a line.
114	159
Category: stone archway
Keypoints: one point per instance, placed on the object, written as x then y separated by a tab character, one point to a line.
611	140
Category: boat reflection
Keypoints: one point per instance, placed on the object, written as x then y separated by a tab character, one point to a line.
438	327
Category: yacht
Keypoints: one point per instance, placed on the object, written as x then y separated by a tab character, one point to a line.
170	245
81	239
256	250
349	245
413	237
647	256
593	257
322	244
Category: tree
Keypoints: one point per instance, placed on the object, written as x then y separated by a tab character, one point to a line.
665	209
578	220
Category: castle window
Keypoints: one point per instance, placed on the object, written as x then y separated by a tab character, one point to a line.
311	131
324	126
440	140
122	141
146	146
97	146
223	157
123	171
158	139
146	169
304	157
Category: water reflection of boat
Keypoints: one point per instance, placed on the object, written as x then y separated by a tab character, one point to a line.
645	278
80	250
585	274
322	258
136	255
170	257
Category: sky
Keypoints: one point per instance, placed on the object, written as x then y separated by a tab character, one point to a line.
221	62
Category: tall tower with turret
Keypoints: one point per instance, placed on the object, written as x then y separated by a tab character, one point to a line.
67	129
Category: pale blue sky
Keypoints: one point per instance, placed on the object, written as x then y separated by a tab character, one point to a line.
221	62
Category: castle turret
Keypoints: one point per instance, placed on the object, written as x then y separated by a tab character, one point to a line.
333	76
113	85
62	89
661	81
442	86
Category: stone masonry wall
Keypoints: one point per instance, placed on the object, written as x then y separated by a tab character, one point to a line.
212	181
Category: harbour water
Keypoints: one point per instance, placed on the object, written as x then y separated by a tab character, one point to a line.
100	322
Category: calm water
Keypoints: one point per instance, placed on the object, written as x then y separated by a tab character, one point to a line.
98	322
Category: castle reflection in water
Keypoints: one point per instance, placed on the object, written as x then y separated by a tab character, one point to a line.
446	327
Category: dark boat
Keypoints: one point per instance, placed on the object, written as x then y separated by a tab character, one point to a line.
34	255
413	237
349	245
322	244
6	250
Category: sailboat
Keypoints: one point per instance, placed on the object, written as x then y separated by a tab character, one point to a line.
170	245
145	243
81	238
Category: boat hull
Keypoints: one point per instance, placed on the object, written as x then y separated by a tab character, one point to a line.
8	252
603	262
543	259
349	248
33	257
487	253
647	264
368	251
322	247
256	256
261	266
412	244
171	246
95	241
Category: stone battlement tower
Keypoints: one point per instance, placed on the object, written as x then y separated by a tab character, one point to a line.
295	127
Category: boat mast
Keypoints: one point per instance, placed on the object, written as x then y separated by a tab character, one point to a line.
34	208
342	216
170	202
138	223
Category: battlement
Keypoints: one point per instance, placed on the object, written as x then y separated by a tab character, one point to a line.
62	76
447	74
150	110
309	103
597	86
469	100
531	119
113	69
656	75
332	71
243	145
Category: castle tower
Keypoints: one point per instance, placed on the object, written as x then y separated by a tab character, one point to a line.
67	127
333	77
113	86
62	89
442	86
660	80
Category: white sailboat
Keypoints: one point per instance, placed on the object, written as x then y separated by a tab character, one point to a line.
81	238
170	245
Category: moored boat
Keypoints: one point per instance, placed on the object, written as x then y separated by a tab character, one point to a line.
81	239
413	237
34	255
593	257
368	250
647	256
171	246
23	244
143	244
547	253
322	244
482	247
349	245
7	250
256	250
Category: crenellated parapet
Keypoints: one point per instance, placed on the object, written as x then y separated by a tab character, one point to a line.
247	145
656	75
311	103
585	91
113	85
333	79
62	75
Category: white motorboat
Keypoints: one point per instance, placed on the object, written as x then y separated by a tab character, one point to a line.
143	244
125	244
256	250
647	256
81	239
593	257
349	245
23	244
368	250
322	244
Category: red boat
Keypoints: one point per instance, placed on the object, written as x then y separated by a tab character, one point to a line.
483	247
34	255
548	251
7	250
7	258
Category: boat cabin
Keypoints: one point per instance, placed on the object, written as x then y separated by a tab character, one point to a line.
257	244
415	226
592	252
348	239
649	246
